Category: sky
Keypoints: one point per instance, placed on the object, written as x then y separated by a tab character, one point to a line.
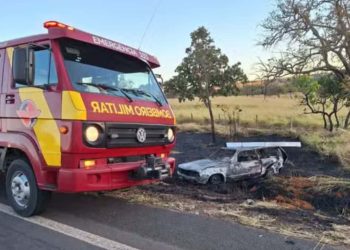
233	24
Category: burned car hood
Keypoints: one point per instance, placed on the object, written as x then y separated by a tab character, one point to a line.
199	164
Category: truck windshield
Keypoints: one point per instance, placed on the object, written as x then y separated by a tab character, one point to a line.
98	70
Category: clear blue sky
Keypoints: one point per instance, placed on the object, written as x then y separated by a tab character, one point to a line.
232	23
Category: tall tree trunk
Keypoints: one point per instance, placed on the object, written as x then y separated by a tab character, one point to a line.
212	122
335	110
324	115
347	121
324	121
331	126
337	120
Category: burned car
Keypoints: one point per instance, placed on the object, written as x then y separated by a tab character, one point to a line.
237	161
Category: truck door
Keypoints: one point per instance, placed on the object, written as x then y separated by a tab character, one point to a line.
45	75
33	109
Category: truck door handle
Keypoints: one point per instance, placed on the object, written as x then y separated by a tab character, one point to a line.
10	99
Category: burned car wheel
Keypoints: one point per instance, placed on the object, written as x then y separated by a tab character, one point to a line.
269	173
216	179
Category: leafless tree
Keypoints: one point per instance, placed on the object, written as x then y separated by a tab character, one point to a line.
265	73
316	34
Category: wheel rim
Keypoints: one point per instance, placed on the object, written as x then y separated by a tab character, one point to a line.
20	189
216	179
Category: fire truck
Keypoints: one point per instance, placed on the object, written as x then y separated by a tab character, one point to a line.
79	113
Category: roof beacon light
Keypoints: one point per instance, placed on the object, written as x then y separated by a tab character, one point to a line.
54	24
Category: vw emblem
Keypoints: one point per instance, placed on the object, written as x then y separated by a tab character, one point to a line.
141	135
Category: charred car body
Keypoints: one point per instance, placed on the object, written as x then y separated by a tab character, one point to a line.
237	161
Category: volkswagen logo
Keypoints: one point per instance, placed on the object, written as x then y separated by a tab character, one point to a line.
141	135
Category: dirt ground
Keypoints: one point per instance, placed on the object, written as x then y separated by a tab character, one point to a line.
310	198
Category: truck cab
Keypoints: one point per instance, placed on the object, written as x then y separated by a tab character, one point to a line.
79	113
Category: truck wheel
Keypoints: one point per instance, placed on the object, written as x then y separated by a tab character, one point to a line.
216	179
22	191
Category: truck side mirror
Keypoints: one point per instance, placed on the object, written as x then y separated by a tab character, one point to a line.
23	66
159	79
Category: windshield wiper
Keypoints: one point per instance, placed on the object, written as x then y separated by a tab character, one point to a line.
140	91
106	87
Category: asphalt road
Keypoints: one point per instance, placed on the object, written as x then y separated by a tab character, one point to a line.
133	225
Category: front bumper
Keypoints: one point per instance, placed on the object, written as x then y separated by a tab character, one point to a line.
103	178
198	179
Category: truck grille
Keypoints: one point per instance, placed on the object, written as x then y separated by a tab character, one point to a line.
188	172
124	135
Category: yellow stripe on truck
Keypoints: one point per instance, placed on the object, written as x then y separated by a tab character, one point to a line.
73	107
46	129
9	52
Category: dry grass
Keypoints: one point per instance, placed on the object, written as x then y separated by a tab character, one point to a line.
331	185
272	111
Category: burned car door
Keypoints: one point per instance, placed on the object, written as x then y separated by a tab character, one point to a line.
245	163
272	157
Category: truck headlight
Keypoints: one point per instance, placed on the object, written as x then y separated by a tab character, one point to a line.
170	135
92	134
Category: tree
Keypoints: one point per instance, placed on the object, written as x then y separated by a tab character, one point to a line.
266	72
205	72
322	95
317	39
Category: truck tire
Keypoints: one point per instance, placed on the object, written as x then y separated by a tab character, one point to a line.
22	190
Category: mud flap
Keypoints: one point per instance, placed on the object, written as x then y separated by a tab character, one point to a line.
3	152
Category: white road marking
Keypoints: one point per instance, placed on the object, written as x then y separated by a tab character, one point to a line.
76	233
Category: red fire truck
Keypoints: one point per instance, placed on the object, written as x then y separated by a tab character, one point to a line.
79	113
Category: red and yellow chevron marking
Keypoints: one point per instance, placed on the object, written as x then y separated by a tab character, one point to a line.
45	128
73	107
9	52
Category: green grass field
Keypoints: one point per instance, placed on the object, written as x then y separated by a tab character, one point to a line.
280	115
